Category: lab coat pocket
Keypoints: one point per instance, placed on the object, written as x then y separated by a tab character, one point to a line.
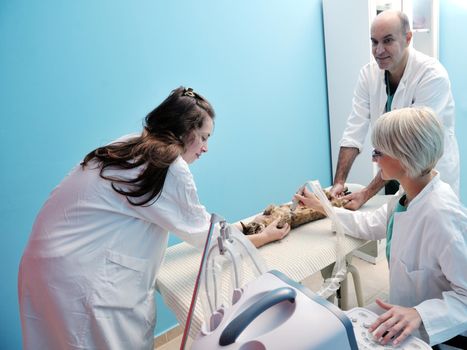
120	283
408	286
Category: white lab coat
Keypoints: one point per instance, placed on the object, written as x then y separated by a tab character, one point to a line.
428	256
425	82
87	276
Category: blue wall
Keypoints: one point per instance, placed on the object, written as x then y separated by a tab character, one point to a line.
453	54
76	74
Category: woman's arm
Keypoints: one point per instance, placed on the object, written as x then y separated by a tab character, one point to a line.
446	316
270	234
365	225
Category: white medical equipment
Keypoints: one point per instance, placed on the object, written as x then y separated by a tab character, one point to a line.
227	262
214	219
230	254
339	272
271	311
362	319
274	312
295	201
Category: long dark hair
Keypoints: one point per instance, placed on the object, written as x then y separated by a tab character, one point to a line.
167	131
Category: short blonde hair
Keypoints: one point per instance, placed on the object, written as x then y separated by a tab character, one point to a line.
412	135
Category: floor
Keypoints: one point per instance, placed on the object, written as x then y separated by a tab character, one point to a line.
375	283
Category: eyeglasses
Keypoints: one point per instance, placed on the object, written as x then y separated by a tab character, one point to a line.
375	154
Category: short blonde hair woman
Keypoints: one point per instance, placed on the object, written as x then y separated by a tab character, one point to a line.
425	226
414	136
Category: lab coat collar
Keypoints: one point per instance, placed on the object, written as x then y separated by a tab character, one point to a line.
403	80
407	68
423	193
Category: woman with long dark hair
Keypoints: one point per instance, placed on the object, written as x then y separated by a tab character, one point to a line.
87	276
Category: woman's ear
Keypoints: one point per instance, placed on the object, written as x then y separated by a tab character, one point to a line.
188	138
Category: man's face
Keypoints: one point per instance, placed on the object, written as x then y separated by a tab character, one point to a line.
389	44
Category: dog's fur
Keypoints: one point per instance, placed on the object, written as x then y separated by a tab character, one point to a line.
301	215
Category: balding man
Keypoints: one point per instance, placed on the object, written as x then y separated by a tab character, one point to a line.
400	77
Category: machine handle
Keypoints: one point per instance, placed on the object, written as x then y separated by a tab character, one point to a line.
239	323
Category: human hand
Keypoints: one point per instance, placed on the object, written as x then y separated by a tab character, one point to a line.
337	190
355	200
396	323
272	233
309	200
